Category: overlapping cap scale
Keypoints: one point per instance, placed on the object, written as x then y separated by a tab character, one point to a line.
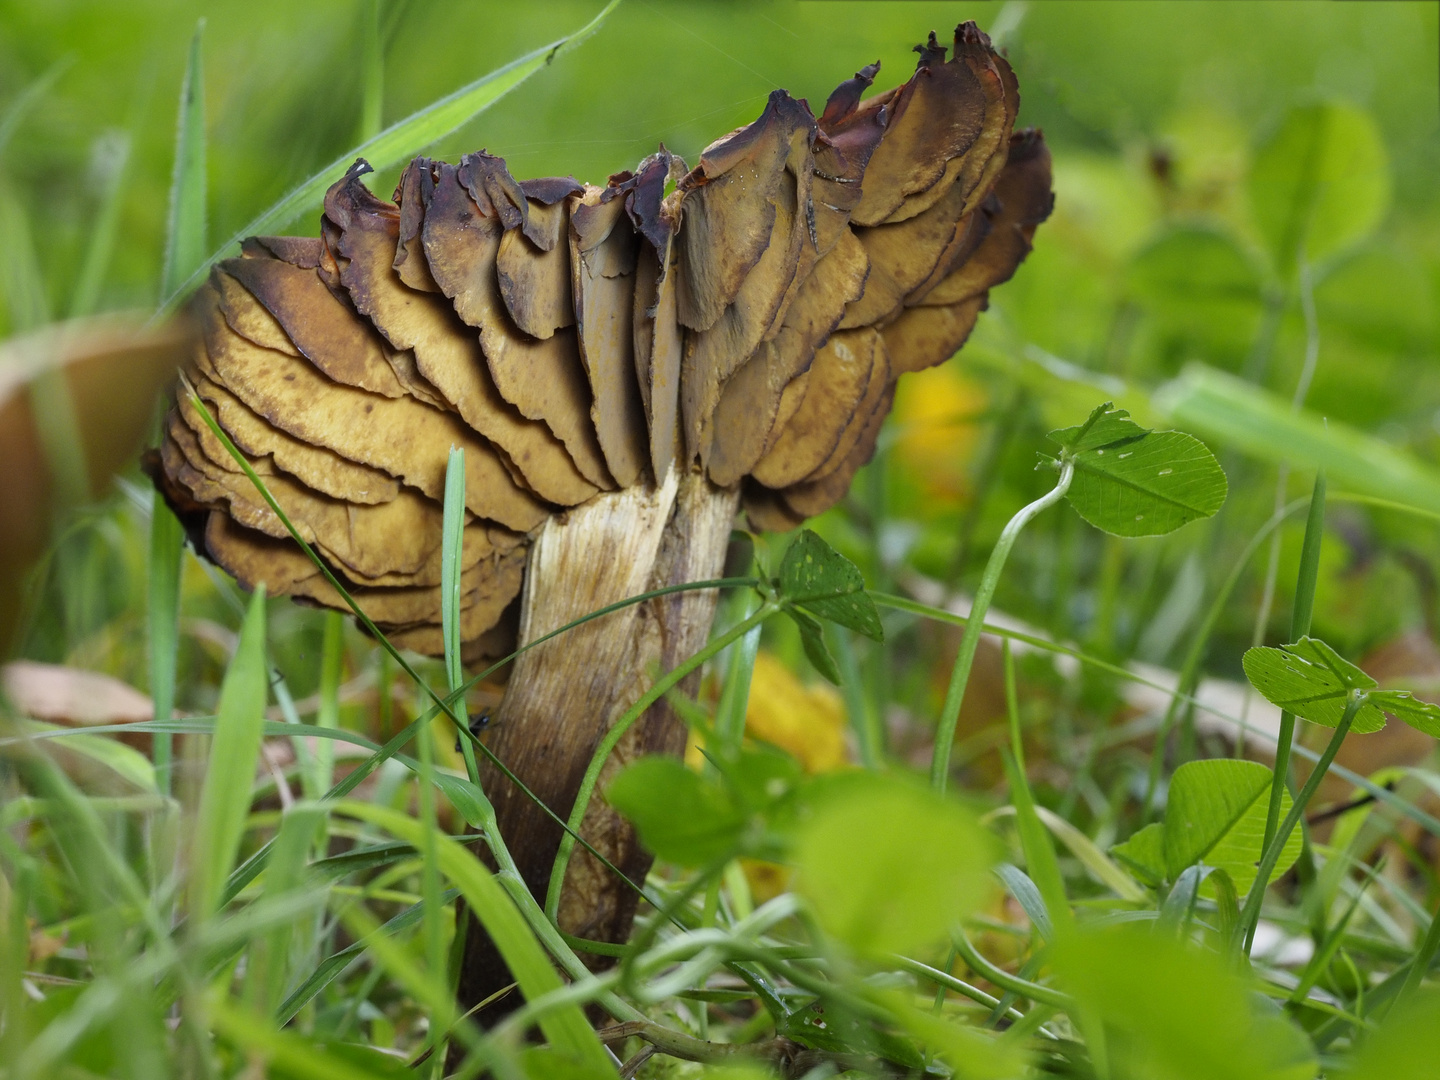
576	339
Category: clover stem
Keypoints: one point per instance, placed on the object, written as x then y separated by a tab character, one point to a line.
1299	627
974	625
1250	916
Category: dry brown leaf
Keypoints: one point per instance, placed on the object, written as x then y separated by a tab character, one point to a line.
72	697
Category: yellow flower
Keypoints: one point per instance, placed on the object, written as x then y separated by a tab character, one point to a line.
935	417
806	721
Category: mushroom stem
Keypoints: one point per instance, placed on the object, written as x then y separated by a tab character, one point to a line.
564	695
975	624
616	735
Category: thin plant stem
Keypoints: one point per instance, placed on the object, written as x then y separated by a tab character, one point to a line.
1267	603
1041	995
1250	916
975	624
1297	402
1005	423
943	981
1299	626
163	613
1035	840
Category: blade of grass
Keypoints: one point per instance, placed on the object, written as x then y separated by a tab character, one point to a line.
393	145
1424	956
24	284
16	891
234	750
162	614
864	721
335	965
1035	992
267	965
451	550
1250	914
384	686
287	1051
433	932
427	988
735	694
1255	421
332	657
186	225
567	1029
1034	837
729	734
124	761
101	861
1299	627
1330	944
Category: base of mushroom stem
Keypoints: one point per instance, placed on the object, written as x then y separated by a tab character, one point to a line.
564	695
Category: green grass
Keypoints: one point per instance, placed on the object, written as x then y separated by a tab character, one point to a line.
165	916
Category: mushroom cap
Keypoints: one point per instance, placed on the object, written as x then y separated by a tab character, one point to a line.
746	319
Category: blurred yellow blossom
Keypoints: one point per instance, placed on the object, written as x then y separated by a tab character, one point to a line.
935	416
806	721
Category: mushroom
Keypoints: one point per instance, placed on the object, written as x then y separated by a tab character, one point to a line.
624	369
